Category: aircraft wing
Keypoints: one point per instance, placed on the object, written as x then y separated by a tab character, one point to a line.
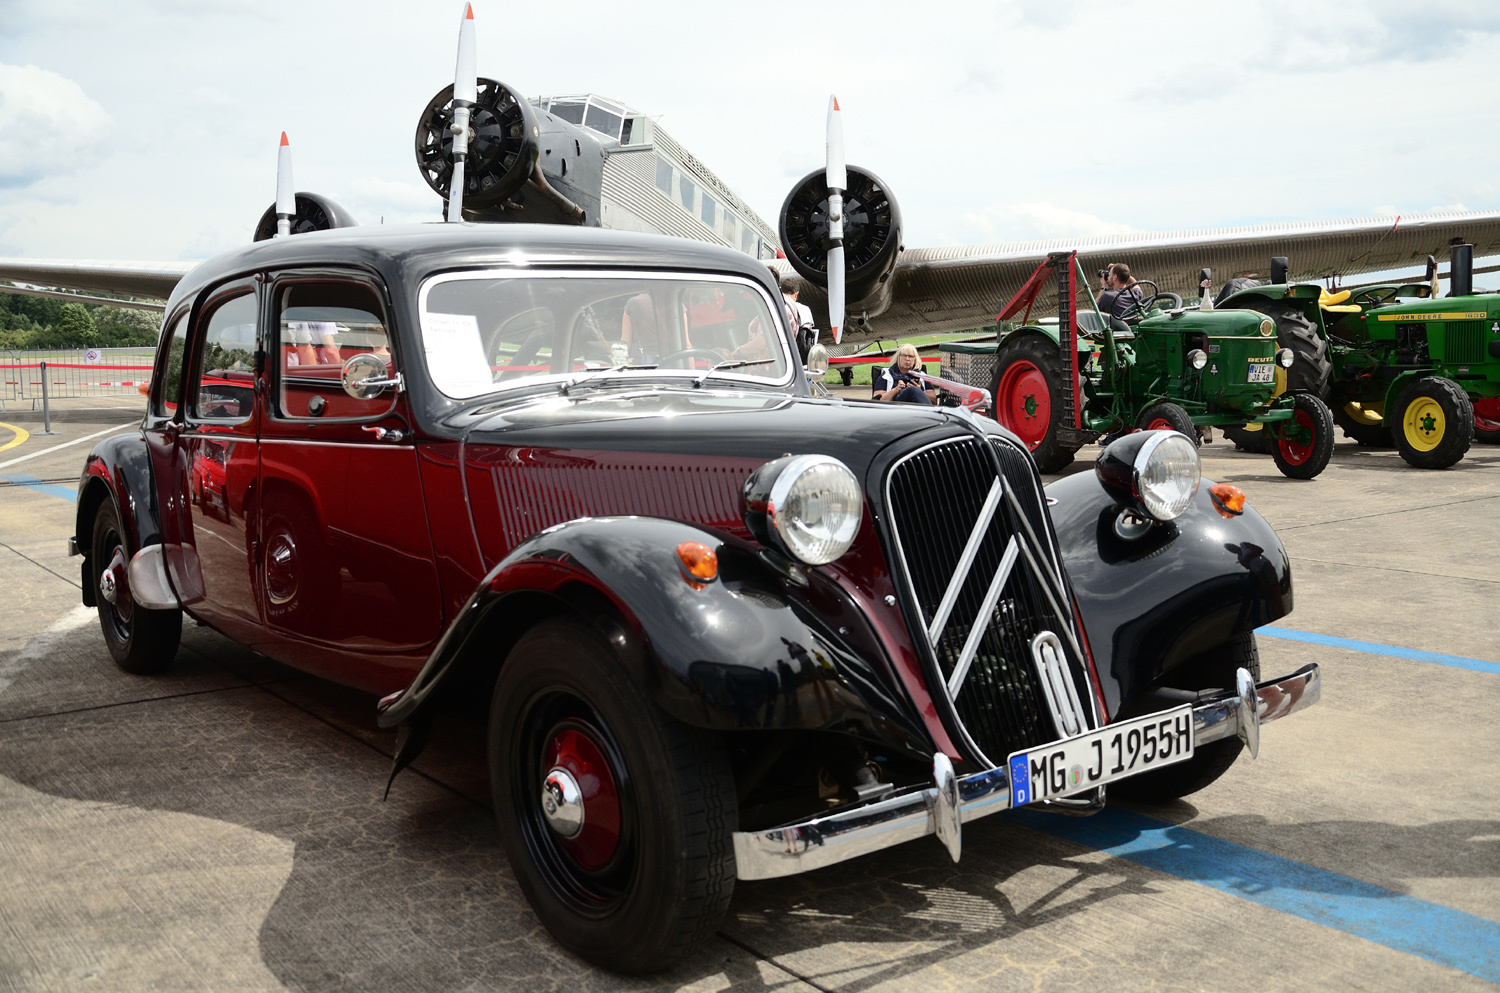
153	280
962	287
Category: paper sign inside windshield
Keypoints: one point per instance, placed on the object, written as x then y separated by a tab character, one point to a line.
455	355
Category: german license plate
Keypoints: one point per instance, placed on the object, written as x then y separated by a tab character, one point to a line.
1115	752
1262	372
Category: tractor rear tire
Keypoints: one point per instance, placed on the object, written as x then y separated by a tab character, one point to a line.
1167	417
1213	669
1027	387
1356	424
1299	460
1433	423
1310	372
1255	442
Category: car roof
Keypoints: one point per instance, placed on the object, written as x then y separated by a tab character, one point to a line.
416	250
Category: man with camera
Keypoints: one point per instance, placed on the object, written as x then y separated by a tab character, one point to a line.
898	382
1119	292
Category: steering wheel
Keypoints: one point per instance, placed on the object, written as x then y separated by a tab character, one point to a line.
707	353
1142	307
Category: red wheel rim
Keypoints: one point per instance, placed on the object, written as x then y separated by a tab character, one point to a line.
1160	424
576	753
1023	403
1296	452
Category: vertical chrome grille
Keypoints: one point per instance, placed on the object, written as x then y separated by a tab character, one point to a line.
944	513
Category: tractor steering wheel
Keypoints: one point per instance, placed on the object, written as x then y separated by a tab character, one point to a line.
1142	307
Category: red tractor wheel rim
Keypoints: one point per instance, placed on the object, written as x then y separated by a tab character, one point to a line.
1024	403
1296	452
1160	424
580	757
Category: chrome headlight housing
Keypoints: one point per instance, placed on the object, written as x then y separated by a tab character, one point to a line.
806	506
1154	472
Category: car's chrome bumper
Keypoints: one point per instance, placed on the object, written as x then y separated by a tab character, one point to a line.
942	807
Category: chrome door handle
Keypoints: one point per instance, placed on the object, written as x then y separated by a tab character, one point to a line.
386	434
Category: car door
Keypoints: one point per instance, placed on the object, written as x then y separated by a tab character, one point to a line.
214	463
346	557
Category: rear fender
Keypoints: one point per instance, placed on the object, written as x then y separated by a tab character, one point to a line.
1046	331
1150	604
119	469
754	649
1304	295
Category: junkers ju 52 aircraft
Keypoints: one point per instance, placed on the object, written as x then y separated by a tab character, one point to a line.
586	160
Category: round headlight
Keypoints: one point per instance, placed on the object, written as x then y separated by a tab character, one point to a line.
817	360
1198	357
1267	327
1155	472
1285	357
808	506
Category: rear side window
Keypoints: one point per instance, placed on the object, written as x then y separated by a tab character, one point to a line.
225	383
320	327
175	336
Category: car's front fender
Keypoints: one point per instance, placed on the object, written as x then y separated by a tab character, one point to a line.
1151	603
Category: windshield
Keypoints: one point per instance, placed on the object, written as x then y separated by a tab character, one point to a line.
484	332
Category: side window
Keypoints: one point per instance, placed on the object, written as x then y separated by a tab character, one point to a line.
165	404
225	373
320	326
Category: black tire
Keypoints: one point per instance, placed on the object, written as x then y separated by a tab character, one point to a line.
1167	416
1310	372
1433	423
1018	411
1300	457
1255	442
1213	669
141	641
1360	431
665	884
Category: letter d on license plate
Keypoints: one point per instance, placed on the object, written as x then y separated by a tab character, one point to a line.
1098	757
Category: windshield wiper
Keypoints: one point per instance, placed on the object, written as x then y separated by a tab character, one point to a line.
730	364
594	374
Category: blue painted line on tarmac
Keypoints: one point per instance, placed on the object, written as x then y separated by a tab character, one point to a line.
67	493
1395	920
1375	648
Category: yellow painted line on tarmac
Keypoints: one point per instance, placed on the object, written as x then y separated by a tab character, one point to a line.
21	435
25	458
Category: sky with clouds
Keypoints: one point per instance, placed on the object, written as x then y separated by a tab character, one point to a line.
148	130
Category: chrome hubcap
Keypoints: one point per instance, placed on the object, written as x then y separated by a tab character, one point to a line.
562	803
107	586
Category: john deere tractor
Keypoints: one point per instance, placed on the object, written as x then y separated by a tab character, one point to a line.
1161	366
1406	368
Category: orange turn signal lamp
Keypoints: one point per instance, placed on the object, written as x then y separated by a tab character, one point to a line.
700	564
1229	501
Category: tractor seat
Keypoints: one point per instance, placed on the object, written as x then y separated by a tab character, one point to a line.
1088	323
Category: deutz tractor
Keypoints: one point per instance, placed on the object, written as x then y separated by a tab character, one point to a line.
1407	368
1160	366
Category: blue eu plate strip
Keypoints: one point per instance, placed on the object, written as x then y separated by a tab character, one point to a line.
1407	924
1375	648
50	489
1020	781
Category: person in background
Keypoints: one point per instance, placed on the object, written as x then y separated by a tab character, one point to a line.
1120	291
899	383
799	315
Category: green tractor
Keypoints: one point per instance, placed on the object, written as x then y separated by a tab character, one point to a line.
1407	368
1061	387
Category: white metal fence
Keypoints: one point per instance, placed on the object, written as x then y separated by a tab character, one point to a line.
60	374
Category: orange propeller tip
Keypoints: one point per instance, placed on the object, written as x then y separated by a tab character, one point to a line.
468	12
283	139
835	103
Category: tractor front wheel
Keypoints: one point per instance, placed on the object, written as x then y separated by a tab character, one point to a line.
1303	445
1028	386
1167	417
1364	424
1433	423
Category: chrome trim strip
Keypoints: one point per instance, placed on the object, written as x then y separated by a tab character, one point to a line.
981	626
871	827
335	444
965	561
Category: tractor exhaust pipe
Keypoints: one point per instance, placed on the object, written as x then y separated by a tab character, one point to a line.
1278	269
1461	271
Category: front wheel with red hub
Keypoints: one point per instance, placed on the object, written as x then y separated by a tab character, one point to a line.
139	640
617	819
1167	417
1303	444
1027	391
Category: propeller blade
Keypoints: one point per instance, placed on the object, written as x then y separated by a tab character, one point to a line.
836	292
286	196
465	93
837	178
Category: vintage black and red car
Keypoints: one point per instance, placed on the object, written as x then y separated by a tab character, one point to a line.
726	629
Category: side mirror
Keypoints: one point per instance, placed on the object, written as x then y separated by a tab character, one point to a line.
817	362
366	376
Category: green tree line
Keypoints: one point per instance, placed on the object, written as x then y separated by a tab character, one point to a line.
48	322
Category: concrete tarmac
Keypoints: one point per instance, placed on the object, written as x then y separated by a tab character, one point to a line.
221	827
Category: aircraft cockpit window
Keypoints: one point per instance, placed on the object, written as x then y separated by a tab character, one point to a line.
603	121
568	110
487	332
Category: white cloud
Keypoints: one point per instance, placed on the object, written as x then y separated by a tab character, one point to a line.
48	126
1037	221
